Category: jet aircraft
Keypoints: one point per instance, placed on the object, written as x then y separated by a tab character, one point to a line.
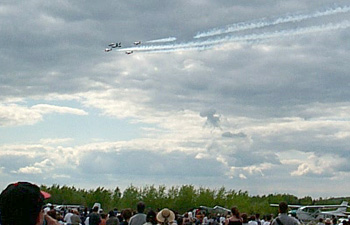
115	45
137	42
315	212
129	52
108	49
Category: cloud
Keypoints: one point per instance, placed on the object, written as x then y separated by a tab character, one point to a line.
234	135
212	119
45	109
17	115
48	141
29	170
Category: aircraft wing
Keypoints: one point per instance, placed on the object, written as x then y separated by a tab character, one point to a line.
221	208
205	207
290	206
325	206
334	214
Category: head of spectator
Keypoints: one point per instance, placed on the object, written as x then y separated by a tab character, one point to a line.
257	216
111	214
268	217
283	207
151	217
328	221
75	211
141	207
334	221
21	204
127	213
52	213
244	218
165	216
95	209
235	212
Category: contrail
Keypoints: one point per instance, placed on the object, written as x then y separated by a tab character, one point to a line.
209	43
169	39
264	23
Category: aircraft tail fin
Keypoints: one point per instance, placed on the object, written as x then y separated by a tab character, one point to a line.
343	207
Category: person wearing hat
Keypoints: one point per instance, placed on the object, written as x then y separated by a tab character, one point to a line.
165	216
328	221
21	204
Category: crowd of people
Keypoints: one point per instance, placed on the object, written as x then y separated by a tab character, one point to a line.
22	203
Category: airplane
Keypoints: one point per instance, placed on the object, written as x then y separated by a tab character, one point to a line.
314	212
137	42
115	45
108	49
129	52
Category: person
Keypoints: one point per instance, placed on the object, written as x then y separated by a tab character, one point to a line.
222	219
21	204
103	218
75	218
126	214
52	212
268	219
283	218
205	220
257	219
94	218
139	218
328	221
165	216
112	218
252	220
151	218
67	217
334	220
187	219
244	219
235	218
320	221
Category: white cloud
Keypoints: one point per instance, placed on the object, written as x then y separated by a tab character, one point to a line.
16	115
45	109
48	141
29	170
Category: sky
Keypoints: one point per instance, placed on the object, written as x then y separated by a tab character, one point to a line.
246	95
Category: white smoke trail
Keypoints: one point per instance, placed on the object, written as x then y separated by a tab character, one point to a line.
169	39
263	23
206	44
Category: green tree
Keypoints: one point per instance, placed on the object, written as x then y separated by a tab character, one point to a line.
131	196
186	198
205	197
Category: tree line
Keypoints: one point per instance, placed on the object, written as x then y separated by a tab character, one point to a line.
178	198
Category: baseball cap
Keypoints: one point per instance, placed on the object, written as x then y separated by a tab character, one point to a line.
22	188
21	199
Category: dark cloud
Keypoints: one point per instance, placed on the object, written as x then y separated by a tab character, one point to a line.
147	163
212	118
234	135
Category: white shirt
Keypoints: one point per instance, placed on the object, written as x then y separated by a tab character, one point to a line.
252	222
67	217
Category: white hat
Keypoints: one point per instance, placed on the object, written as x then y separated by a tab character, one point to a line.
165	215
